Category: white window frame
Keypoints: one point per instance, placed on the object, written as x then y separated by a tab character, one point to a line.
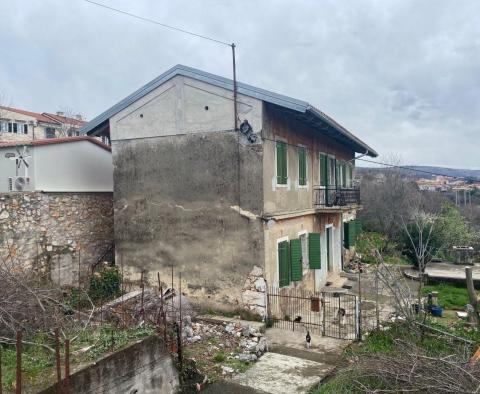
286	185
277	270
306	168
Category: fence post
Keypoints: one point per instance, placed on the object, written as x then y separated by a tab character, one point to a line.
1	370
18	386
323	313
57	356
67	365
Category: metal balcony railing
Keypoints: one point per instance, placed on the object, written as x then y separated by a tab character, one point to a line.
336	196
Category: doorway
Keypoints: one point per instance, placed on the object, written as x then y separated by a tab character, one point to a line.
329	237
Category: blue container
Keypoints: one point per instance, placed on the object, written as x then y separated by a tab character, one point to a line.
436	311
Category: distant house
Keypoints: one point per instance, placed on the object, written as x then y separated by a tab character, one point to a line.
21	125
76	164
273	201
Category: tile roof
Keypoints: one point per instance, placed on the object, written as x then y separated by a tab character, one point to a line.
39	117
53	141
65	119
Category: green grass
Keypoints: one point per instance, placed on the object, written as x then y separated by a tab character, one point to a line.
219	357
450	296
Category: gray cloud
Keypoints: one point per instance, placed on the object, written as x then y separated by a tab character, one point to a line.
403	75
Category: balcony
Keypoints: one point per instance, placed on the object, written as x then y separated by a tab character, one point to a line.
336	197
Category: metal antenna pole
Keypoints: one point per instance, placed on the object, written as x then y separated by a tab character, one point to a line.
234	88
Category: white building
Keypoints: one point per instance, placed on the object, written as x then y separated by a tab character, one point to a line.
74	164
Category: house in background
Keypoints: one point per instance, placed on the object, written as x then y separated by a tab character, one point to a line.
20	125
275	198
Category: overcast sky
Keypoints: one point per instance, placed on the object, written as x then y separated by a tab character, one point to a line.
402	75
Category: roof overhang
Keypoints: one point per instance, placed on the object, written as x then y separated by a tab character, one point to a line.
299	108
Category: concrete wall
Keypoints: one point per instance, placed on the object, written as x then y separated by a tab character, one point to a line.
145	367
79	166
56	235
180	177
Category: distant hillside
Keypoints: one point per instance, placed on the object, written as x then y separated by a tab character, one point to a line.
454	172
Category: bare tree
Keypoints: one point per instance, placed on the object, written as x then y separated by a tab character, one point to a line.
69	122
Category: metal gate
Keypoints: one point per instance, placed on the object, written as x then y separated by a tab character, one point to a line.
332	314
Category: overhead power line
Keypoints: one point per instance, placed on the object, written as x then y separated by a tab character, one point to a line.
142	18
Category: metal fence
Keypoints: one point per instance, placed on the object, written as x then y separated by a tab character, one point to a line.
333	196
332	314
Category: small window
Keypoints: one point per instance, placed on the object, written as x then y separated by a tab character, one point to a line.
25	128
49	132
3	127
282	175
15	127
302	166
10	127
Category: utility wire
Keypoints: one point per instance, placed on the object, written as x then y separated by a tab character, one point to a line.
142	18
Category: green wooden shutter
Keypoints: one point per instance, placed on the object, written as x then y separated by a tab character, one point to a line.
296	259
302	166
358	228
323	170
350	233
344	175
314	250
283	264
281	163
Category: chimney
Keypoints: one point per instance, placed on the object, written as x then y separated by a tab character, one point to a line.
60	113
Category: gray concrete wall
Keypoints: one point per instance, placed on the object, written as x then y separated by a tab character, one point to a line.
186	193
176	202
145	367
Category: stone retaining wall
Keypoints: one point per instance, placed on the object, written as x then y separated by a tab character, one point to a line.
56	234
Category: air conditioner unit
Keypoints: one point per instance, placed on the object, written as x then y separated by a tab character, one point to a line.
18	183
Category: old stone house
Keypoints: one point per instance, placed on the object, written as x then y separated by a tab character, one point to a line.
56	211
22	125
272	203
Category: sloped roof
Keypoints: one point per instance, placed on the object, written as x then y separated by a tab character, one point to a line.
312	115
65	119
39	117
53	141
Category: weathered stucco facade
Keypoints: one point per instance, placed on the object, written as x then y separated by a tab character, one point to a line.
57	235
192	192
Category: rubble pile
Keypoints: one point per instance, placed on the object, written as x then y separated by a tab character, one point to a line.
239	341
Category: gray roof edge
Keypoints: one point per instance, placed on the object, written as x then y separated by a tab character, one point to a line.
226	83
342	130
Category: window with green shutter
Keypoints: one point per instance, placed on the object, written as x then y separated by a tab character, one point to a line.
314	250
296	259
281	163
323	169
351	231
302	166
283	264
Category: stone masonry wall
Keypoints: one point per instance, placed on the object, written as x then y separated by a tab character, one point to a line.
58	235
